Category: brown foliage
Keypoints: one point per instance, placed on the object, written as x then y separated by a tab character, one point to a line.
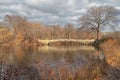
5	35
112	50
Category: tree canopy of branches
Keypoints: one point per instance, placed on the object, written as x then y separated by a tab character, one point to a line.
100	16
69	31
20	25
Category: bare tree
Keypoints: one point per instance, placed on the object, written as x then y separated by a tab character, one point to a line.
101	16
56	31
20	26
85	33
19	23
69	31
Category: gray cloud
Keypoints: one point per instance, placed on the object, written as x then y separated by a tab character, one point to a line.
51	11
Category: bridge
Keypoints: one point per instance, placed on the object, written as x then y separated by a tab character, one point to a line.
84	41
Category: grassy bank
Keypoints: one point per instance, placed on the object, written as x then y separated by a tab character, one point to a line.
42	71
111	48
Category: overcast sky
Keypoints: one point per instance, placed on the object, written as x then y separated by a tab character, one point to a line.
51	11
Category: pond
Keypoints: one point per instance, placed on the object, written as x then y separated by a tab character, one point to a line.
51	63
47	55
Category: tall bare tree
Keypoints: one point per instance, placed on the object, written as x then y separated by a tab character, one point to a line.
100	16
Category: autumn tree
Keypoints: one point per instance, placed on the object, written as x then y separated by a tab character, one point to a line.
85	33
19	23
56	31
38	30
100	16
21	27
5	35
69	31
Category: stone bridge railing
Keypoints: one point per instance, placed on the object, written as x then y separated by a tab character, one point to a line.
85	41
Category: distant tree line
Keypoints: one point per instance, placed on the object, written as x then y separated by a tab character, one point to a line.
91	22
22	28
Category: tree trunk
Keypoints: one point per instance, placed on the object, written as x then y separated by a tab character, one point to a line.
97	35
98	28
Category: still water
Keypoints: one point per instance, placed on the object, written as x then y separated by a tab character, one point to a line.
50	63
46	54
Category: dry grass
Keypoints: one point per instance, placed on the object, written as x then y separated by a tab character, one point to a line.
111	49
18	72
40	71
92	70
